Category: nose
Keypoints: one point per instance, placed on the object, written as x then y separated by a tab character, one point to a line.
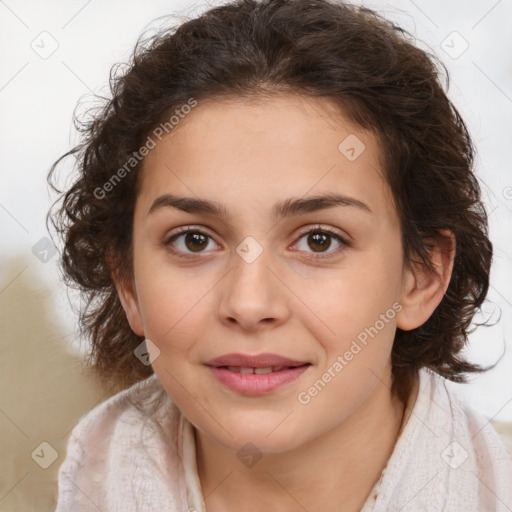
253	297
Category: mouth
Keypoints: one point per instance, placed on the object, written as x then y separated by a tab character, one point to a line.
252	380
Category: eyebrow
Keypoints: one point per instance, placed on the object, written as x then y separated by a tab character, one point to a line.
286	208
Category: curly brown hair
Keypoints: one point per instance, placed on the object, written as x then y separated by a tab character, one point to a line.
377	75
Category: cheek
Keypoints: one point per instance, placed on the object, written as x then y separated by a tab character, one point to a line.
341	307
172	305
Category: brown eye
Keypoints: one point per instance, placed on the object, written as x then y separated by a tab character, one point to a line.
318	241
188	242
196	241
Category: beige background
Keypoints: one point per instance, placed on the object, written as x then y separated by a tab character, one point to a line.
44	392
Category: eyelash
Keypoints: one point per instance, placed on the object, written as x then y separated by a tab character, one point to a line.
315	256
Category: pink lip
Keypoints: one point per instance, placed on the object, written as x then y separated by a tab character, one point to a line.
254	384
256	361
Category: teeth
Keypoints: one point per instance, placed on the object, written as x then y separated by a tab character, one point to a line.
259	371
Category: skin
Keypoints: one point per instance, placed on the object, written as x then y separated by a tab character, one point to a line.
326	454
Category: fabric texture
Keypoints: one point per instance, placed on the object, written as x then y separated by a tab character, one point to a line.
121	457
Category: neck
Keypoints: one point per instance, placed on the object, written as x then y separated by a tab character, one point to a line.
335	471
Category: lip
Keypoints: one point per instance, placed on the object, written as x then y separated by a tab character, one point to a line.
254	361
253	383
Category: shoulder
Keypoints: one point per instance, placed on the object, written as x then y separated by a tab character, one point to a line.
447	457
471	450
136	402
481	430
115	450
123	411
448	409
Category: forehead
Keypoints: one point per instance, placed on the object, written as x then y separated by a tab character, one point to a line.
253	151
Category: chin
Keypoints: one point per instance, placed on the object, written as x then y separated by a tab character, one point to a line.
258	437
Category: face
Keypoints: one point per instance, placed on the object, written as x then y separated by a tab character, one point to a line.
312	283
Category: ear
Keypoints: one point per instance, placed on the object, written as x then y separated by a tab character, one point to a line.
128	297
423	291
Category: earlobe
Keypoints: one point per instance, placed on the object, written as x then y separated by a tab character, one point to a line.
422	290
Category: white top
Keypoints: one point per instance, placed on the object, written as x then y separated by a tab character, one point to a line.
121	458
